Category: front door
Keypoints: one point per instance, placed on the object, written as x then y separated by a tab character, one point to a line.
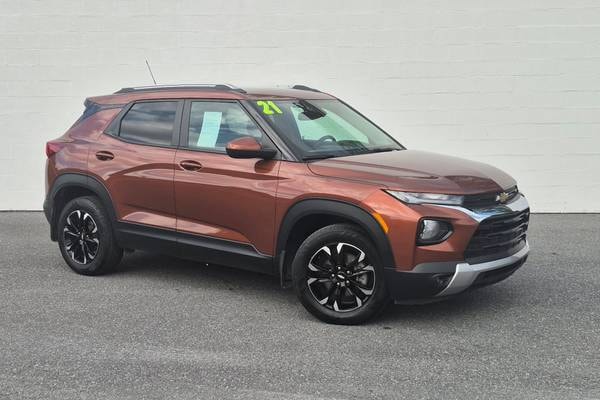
229	201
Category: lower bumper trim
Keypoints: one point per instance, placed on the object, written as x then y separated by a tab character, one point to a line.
466	274
437	280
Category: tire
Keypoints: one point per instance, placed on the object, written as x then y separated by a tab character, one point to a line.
85	237
350	295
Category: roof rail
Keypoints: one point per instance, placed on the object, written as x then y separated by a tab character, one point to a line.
210	86
304	87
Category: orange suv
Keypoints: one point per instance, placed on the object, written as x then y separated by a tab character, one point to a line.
292	182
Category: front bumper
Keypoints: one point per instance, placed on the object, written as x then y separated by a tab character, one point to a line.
439	279
436	280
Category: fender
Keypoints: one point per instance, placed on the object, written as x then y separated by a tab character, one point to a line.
75	180
339	209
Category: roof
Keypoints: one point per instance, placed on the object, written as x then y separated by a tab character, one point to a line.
211	91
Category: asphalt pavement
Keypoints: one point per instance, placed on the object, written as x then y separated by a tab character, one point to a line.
163	328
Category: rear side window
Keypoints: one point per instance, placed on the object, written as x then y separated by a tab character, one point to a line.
150	123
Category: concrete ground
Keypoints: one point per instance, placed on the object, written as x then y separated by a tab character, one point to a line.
165	328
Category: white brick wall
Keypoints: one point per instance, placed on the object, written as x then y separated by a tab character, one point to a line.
513	83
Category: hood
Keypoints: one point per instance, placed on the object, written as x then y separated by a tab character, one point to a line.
417	171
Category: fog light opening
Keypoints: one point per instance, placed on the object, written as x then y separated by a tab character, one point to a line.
443	280
432	231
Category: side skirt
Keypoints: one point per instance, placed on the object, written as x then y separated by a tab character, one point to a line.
194	247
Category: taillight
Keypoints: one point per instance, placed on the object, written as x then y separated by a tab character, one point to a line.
52	148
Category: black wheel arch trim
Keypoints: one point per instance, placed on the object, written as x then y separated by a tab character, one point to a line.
336	208
75	180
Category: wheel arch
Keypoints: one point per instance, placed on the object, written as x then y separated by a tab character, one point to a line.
326	212
68	186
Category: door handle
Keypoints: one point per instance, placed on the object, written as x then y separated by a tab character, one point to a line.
104	155
190	165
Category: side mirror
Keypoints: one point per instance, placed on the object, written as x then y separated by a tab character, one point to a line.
248	147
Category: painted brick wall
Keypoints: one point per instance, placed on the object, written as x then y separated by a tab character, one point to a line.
513	83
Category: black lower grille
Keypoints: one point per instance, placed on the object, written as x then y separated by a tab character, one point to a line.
502	234
497	275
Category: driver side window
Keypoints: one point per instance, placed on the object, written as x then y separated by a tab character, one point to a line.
214	124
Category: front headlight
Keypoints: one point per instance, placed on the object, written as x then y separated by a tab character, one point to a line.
427	198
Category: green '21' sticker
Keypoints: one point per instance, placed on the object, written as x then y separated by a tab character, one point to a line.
268	107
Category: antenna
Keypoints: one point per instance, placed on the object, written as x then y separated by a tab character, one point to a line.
150	70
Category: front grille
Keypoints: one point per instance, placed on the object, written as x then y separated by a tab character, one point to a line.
489	199
499	235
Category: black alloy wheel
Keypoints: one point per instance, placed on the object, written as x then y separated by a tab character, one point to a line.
80	237
86	238
340	277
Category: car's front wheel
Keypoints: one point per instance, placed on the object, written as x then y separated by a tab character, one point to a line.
338	277
85	237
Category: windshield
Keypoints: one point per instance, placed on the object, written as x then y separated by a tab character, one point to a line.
316	129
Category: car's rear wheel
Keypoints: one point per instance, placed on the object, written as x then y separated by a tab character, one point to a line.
338	276
85	237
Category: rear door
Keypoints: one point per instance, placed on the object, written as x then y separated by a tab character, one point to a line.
231	201
135	160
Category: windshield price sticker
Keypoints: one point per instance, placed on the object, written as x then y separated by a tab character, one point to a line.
268	107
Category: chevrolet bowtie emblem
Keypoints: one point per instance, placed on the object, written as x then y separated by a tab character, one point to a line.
502	197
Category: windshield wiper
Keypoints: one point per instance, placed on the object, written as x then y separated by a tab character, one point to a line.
319	156
383	149
350	152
